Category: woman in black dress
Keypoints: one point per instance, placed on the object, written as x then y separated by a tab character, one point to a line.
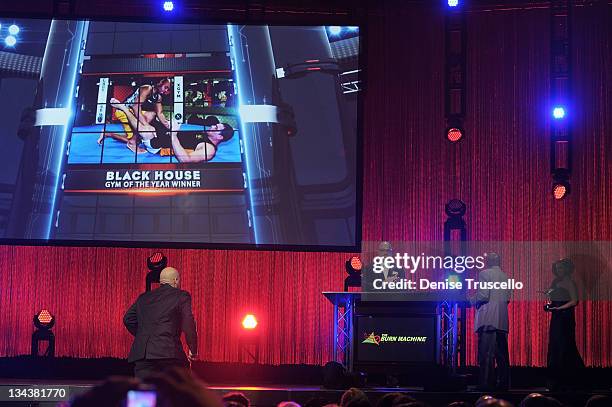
563	357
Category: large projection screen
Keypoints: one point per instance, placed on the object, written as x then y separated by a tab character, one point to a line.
188	135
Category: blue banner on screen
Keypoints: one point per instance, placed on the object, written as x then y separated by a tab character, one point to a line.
180	134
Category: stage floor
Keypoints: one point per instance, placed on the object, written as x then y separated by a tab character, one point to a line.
270	396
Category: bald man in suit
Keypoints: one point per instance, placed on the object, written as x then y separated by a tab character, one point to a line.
156	320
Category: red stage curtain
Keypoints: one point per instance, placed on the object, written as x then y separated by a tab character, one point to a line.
500	169
89	289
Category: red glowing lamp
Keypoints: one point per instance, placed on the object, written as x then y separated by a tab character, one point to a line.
249	322
44	320
559	191
454	134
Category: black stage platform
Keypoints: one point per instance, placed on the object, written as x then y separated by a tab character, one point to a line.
300	383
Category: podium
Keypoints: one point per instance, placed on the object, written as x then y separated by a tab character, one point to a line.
383	329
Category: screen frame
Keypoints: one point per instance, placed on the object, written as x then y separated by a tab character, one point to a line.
180	19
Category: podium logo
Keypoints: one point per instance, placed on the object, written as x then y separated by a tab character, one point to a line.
377	339
371	338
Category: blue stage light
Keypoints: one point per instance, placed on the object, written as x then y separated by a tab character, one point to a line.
168	6
558	112
334	29
10	41
13	29
353	28
453	3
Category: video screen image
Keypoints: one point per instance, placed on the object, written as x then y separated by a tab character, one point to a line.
138	116
163	134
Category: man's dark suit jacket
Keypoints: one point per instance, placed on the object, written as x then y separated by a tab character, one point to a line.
156	320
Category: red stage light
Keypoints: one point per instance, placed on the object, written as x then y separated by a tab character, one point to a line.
156	257
356	263
44	317
454	134
249	321
157	262
44	320
559	191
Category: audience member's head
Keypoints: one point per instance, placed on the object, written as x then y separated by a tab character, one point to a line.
354	398
599	400
175	387
414	404
179	387
110	393
459	404
493	402
539	400
482	399
235	399
288	404
394	399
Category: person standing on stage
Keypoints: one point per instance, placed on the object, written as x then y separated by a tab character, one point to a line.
563	359
388	274
491	325
156	320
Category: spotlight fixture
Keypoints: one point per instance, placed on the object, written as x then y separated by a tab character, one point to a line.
168	6
454	134
248	339
155	263
43	321
560	96
353	268
455	71
561	184
10	41
13	29
455	208
334	29
354	265
249	322
558	112
560	190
